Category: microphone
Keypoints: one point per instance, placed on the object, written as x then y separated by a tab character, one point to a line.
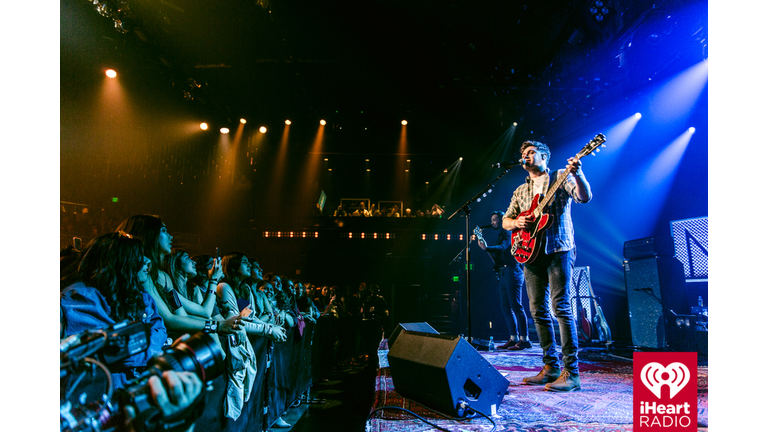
508	164
486	226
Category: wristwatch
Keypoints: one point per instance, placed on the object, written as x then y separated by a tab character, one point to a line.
211	326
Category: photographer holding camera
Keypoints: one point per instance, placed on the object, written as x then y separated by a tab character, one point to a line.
105	289
167	396
153	388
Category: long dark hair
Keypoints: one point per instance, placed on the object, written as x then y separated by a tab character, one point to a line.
230	263
173	268
147	228
111	264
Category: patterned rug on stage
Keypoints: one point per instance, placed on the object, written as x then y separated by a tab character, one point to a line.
604	402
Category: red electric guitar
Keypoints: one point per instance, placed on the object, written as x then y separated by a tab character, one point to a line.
527	242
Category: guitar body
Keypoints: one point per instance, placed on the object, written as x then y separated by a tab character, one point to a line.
526	243
585	327
603	331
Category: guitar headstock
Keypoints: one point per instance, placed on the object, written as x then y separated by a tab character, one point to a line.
593	146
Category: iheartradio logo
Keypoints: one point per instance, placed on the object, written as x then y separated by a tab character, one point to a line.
665	395
677	376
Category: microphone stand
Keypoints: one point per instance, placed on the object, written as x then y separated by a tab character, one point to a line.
466	209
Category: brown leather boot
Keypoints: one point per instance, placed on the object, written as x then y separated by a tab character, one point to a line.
565	382
548	374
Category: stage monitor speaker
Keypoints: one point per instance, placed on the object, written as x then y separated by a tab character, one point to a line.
417	326
655	289
445	373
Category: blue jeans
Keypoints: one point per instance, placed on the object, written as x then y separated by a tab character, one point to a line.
511	297
548	276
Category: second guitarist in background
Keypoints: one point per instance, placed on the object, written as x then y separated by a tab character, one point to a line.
547	275
510	275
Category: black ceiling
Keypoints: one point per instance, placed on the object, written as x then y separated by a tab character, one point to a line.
495	61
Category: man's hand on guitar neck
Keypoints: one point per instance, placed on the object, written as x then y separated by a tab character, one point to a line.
583	190
574	166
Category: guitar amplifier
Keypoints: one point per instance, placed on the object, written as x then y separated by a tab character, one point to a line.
649	247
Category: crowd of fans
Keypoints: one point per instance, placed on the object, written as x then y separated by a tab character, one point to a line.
135	274
362	210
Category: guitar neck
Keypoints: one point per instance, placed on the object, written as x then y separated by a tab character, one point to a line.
550	195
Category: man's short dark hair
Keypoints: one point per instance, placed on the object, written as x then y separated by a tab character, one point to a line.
541	147
500	214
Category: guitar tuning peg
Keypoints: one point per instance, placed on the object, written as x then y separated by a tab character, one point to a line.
602	145
597	150
593	154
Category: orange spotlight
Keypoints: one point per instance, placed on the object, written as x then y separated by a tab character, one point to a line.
322	122
288	122
263	129
242	121
111	73
224	130
204	126
404	122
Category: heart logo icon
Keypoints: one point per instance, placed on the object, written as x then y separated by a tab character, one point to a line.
678	376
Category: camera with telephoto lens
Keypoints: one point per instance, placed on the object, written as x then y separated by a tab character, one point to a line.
129	408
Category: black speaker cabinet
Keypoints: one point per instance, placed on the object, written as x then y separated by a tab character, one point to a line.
417	326
442	371
655	289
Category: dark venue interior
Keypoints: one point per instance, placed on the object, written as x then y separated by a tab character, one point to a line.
417	100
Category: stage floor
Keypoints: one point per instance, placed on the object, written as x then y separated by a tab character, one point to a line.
604	402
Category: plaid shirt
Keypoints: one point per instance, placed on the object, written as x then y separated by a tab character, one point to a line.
559	236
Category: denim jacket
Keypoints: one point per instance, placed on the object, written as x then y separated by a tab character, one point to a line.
84	308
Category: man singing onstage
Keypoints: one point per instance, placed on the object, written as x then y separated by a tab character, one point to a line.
548	271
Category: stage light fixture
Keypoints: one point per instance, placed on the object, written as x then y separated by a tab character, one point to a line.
461	159
224	130
204	126
638	115
514	123
242	121
322	122
692	129
288	122
111	73
263	129
404	122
